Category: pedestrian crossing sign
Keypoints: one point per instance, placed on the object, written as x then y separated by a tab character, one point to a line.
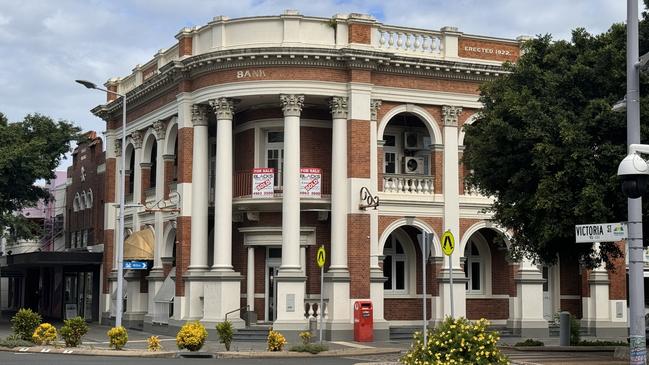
448	243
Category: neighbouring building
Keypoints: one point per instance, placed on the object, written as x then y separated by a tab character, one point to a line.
254	141
59	275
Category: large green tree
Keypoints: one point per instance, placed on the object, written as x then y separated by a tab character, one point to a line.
547	144
30	150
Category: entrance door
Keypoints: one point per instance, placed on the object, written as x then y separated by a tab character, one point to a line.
273	262
547	303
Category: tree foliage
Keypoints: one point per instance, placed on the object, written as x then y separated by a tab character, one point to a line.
547	144
30	150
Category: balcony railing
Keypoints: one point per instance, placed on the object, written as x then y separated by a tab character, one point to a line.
242	184
408	184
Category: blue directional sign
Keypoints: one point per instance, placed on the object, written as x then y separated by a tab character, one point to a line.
135	265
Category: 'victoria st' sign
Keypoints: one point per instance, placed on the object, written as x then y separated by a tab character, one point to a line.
603	232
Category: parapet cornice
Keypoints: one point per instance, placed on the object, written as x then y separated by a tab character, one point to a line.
345	58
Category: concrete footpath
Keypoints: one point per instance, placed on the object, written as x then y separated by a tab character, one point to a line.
95	343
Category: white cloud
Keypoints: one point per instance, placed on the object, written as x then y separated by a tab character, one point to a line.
45	45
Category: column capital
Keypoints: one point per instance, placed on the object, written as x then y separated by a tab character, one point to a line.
375	105
136	138
199	115
169	157
451	115
291	104
338	106
223	108
145	165
118	147
160	129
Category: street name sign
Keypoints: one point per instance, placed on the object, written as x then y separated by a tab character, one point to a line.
602	232
135	265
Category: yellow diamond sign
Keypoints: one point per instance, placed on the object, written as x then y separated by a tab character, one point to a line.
320	256
448	243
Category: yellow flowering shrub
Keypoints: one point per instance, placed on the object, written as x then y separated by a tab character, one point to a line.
153	343
306	337
117	337
276	341
192	336
44	334
456	341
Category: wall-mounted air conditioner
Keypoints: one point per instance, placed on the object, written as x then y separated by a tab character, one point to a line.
413	165
410	140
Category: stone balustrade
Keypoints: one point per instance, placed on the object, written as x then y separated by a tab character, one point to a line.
408	184
312	310
398	39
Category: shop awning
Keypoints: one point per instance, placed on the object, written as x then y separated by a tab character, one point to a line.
167	290
139	245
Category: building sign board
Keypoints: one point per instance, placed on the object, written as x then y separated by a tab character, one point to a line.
602	232
262	182
310	182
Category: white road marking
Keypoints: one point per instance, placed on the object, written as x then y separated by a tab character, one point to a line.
354	345
45	350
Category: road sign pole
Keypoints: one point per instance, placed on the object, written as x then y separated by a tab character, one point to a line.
321	299
424	251
450	278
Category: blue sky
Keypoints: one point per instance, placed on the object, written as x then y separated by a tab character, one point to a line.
45	45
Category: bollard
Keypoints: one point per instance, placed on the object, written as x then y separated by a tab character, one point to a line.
564	329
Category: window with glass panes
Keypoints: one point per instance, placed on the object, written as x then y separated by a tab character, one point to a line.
394	266
473	267
275	154
390	154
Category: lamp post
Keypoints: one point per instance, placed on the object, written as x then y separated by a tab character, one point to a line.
638	351
120	230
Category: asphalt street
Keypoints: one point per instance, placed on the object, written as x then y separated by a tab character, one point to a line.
9	358
520	358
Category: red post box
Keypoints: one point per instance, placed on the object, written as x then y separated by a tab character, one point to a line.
363	321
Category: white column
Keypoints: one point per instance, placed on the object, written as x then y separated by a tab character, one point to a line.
112	211
292	107
291	282
222	287
136	138
529	321
160	128
250	279
198	254
376	273
156	276
223	109
338	107
452	215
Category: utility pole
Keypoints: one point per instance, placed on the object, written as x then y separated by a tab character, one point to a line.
637	348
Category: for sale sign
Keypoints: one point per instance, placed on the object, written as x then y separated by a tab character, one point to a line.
310	182
262	182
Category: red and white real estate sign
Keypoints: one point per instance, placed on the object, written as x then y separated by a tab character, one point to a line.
310	182
262	182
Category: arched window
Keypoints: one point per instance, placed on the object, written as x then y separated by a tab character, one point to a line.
395	266
89	198
474	269
154	165
75	202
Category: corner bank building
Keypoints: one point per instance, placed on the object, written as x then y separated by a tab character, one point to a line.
254	141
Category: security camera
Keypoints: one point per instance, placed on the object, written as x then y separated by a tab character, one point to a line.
634	173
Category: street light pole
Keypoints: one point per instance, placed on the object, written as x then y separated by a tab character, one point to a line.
120	229
637	348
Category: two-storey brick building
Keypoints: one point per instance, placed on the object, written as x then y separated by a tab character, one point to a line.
253	141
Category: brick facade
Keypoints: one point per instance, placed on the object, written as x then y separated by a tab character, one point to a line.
491	308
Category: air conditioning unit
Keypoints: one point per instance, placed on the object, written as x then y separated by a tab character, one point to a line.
413	165
410	140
